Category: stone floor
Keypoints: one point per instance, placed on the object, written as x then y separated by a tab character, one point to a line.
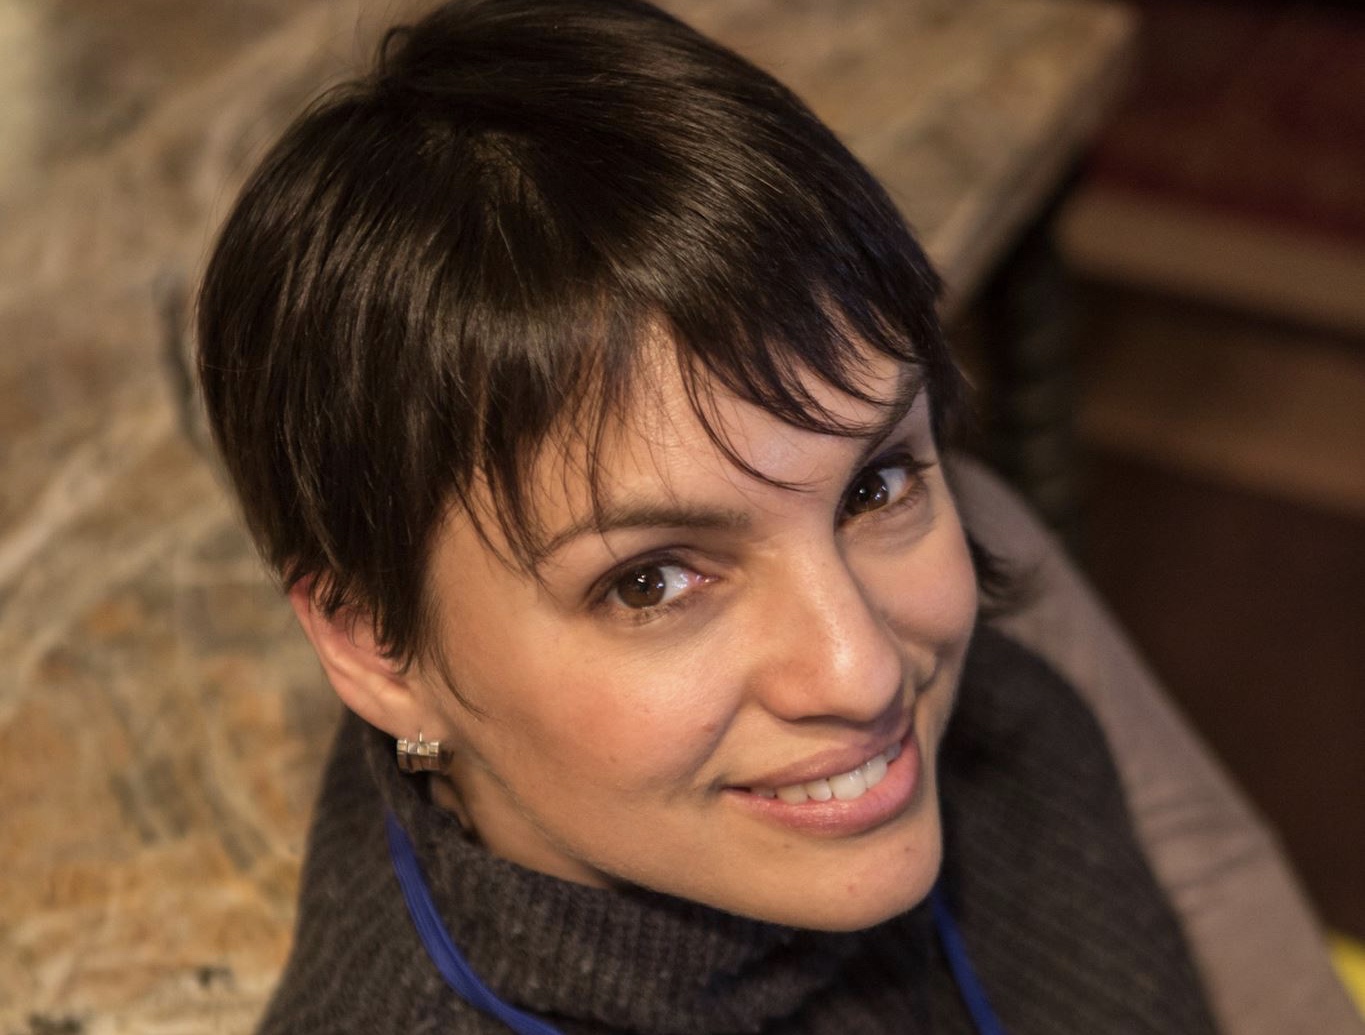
89	72
154	775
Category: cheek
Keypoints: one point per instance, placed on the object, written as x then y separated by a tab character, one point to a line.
932	598
558	705
567	708
657	726
957	599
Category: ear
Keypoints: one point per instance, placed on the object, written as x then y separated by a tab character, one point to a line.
373	686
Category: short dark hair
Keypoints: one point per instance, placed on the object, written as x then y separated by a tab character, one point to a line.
444	261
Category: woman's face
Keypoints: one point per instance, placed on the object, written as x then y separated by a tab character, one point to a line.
728	690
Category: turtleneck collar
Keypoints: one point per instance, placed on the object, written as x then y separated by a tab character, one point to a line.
1050	889
572	952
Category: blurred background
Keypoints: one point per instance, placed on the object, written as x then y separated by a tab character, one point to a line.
1213	245
1190	281
1218	236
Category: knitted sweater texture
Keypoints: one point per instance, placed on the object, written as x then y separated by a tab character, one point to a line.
1065	923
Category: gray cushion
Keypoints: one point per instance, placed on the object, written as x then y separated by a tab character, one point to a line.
1259	947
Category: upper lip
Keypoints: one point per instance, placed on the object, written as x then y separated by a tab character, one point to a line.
830	762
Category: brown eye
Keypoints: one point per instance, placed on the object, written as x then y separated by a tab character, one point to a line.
877	487
650	585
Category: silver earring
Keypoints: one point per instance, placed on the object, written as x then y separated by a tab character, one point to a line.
419	756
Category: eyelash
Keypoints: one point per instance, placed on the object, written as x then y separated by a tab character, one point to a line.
643	615
914	490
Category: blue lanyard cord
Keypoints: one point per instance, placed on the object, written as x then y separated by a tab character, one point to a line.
968	985
461	977
458	974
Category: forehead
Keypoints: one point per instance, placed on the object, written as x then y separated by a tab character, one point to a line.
677	437
672	408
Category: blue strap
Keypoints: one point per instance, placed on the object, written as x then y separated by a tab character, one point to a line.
968	985
458	974
461	977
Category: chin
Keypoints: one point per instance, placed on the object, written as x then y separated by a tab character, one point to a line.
887	874
895	890
896	869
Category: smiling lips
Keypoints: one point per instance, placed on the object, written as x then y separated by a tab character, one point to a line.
847	786
862	799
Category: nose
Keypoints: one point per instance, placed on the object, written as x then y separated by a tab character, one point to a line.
826	652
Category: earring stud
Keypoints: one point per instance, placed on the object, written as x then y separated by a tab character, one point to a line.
419	756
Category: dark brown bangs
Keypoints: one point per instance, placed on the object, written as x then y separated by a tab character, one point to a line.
445	264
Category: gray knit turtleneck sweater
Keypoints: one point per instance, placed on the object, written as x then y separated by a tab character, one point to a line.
1065	923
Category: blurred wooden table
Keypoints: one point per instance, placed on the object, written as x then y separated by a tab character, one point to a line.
160	717
972	115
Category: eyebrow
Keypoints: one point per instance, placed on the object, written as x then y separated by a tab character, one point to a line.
622	514
617	515
875	435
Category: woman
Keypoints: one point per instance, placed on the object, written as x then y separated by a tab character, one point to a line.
589	400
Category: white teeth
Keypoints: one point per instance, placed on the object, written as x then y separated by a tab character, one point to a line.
848	786
844	787
819	790
874	771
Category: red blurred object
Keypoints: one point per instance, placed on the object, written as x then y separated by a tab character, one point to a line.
1255	110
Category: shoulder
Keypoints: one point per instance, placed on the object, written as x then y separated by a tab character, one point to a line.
357	964
1016	711
1043	866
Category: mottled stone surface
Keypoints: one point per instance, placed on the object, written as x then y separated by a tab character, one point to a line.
160	717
